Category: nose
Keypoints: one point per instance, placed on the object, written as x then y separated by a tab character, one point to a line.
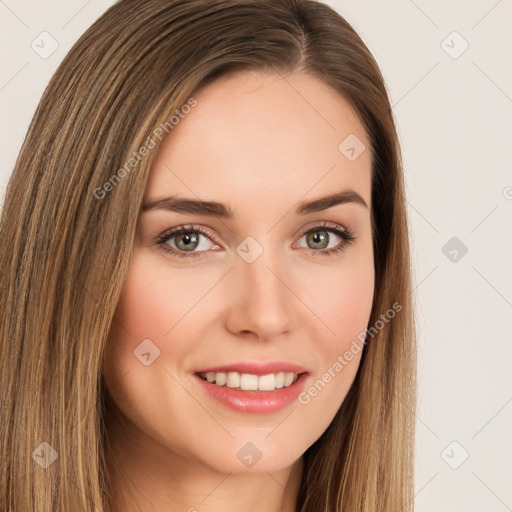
261	300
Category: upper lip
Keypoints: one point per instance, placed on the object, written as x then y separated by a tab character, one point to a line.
255	368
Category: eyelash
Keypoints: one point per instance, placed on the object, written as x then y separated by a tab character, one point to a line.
345	234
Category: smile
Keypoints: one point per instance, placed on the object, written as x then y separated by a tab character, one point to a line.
250	382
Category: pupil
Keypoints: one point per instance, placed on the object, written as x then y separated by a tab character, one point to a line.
188	240
319	237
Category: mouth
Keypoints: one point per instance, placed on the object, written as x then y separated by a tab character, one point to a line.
251	382
249	388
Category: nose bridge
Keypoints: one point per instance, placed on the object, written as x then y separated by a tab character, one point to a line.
262	303
262	278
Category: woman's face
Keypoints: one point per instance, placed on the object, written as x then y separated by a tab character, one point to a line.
263	291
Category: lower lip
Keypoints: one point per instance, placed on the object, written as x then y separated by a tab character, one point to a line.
255	402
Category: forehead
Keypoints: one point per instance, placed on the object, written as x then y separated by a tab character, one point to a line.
266	135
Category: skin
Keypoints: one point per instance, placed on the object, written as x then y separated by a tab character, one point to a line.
259	143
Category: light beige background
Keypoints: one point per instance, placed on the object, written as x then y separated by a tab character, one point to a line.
455	122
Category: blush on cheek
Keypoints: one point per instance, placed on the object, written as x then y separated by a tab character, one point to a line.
346	307
144	310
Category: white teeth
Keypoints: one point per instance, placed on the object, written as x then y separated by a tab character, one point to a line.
267	382
288	379
250	382
279	380
220	378
233	380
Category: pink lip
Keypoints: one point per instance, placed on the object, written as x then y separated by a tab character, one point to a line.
255	402
257	368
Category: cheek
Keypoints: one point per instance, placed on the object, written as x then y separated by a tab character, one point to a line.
345	300
151	304
344	308
346	314
342	299
145	310
157	306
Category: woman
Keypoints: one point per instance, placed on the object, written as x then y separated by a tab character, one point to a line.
205	271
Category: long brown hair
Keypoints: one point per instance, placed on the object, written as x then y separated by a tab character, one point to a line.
66	240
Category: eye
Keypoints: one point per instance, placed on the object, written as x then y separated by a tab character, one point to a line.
187	239
183	241
320	241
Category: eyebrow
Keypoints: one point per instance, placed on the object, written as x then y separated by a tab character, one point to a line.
222	211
